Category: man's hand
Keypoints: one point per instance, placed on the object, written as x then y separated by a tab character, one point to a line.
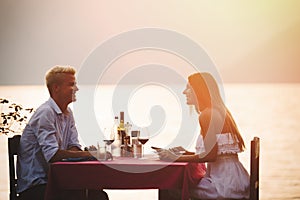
93	152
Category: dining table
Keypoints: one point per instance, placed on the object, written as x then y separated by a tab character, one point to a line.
119	173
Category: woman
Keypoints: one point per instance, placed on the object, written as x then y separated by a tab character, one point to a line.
218	144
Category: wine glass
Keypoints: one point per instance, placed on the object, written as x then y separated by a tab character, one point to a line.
109	138
143	138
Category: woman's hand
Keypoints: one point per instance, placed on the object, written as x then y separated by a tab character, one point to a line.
167	155
178	150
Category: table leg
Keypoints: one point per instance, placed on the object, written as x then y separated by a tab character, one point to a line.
164	195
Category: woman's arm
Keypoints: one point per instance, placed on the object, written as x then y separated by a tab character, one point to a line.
181	151
210	124
203	157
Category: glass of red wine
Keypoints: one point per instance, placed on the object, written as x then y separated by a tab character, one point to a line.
143	138
109	138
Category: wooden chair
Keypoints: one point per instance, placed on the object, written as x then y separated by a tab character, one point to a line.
13	145
254	169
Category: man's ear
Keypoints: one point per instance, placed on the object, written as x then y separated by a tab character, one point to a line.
55	88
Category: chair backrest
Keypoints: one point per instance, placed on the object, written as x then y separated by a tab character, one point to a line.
13	145
254	169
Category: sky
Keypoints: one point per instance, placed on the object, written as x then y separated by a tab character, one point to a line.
248	41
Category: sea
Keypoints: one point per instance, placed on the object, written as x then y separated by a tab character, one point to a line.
265	110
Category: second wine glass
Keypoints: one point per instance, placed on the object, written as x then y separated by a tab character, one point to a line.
143	138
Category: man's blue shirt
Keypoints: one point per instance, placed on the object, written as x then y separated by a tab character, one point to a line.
47	131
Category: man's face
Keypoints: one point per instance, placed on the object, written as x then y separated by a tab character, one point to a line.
67	88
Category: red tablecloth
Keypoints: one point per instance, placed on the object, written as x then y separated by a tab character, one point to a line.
121	173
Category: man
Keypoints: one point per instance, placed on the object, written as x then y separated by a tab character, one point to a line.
49	136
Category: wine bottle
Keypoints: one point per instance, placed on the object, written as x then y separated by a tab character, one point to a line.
121	129
115	128
116	146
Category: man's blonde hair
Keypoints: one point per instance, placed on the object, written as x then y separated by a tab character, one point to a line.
54	74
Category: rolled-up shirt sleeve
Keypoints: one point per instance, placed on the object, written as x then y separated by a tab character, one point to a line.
46	134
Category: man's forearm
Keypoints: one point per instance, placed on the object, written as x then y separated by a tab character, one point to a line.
74	148
61	154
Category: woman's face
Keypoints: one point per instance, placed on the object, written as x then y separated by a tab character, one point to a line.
191	98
